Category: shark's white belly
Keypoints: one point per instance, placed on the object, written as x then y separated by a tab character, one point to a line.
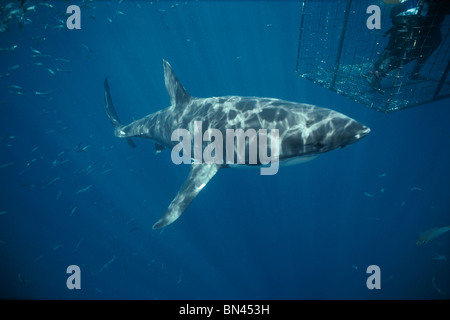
283	163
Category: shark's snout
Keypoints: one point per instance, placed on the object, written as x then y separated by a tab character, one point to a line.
352	132
362	133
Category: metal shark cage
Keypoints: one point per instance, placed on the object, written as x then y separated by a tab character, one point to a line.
336	49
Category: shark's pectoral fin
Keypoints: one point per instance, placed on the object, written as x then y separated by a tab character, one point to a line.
199	176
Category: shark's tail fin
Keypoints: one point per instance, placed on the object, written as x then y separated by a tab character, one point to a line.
112	114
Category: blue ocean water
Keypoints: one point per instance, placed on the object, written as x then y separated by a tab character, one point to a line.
74	194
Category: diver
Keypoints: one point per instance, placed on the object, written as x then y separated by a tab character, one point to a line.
414	35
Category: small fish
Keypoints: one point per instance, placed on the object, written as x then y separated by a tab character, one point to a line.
87	48
382	175
433	282
58	195
73	210
39	38
40	55
51	182
42	93
55	163
369	195
106	265
80	148
88	169
62	59
28	185
6	165
35	51
21	279
78	245
15	87
63	70
110	20
438	256
3	212
84	189
51	71
15	67
431	234
57	246
45	4
12	48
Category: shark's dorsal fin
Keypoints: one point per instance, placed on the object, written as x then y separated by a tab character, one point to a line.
198	178
177	93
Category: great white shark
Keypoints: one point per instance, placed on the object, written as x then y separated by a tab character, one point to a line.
305	130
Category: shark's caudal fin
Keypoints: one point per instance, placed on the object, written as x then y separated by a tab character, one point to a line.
178	95
112	114
199	176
